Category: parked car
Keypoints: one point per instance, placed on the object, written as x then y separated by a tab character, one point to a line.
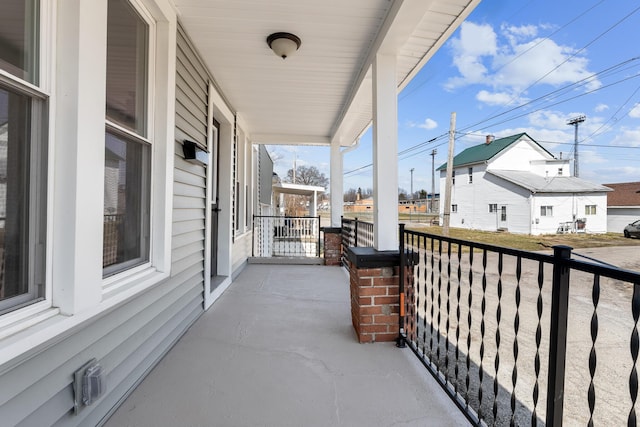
633	229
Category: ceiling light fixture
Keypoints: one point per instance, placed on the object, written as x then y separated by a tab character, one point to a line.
283	44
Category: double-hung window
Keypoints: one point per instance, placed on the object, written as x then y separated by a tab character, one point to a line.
127	166
23	157
546	210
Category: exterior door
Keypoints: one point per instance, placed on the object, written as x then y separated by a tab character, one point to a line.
502	217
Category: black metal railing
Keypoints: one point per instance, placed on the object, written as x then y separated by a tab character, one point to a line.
522	338
286	236
356	233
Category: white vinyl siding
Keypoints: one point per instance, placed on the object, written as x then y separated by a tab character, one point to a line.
128	338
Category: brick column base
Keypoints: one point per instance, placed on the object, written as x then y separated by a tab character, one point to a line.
332	245
375	303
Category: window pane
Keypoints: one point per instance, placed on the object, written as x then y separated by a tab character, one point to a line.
126	204
20	221
19	38
127	40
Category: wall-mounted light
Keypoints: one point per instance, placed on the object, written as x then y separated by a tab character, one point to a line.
284	44
193	153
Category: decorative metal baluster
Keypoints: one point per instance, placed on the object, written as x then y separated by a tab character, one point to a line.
516	327
635	344
591	395
483	308
458	293
536	387
439	305
425	296
467	379
446	332
416	293
433	285
496	363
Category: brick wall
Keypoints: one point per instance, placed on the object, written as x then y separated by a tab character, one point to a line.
375	303
332	247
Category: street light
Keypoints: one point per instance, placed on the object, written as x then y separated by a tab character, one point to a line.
412	169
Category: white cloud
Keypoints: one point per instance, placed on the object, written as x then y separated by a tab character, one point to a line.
628	137
635	111
590	157
495	98
600	108
428	124
523	31
513	60
475	42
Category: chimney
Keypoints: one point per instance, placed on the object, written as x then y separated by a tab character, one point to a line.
489	139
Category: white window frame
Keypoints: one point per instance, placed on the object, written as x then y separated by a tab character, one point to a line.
148	138
590	209
470	172
493	207
77	298
161	173
454	208
16	316
546	211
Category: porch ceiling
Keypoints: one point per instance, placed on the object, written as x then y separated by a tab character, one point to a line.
322	93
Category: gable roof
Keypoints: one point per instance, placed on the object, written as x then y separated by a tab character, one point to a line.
624	194
483	152
540	184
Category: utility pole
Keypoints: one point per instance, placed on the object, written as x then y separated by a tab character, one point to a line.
576	163
412	169
448	183
433	177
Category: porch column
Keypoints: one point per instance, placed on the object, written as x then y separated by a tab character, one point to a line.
313	209
385	153
336	184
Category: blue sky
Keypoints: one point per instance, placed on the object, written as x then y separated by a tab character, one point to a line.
518	66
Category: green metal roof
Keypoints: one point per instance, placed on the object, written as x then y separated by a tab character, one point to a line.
483	152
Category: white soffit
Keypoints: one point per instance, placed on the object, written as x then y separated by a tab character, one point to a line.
322	93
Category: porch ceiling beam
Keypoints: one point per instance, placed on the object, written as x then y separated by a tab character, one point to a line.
366	65
288	139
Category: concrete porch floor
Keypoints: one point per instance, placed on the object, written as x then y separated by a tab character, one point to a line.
278	349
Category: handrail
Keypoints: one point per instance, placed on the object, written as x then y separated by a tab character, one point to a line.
503	331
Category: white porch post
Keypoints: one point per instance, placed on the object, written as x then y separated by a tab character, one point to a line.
313	210
385	153
336	184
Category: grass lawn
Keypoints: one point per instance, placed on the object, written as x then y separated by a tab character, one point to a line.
531	243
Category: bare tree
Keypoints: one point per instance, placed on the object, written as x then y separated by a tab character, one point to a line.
307	175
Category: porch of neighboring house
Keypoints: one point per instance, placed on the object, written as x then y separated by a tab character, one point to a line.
278	349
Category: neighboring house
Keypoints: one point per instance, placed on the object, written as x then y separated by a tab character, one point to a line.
623	205
514	184
130	169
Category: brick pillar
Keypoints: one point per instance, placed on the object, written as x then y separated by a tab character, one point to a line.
375	299
332	245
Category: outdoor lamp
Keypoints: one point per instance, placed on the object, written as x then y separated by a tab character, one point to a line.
283	44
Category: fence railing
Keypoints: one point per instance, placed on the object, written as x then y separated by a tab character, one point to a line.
286	236
356	233
522	338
